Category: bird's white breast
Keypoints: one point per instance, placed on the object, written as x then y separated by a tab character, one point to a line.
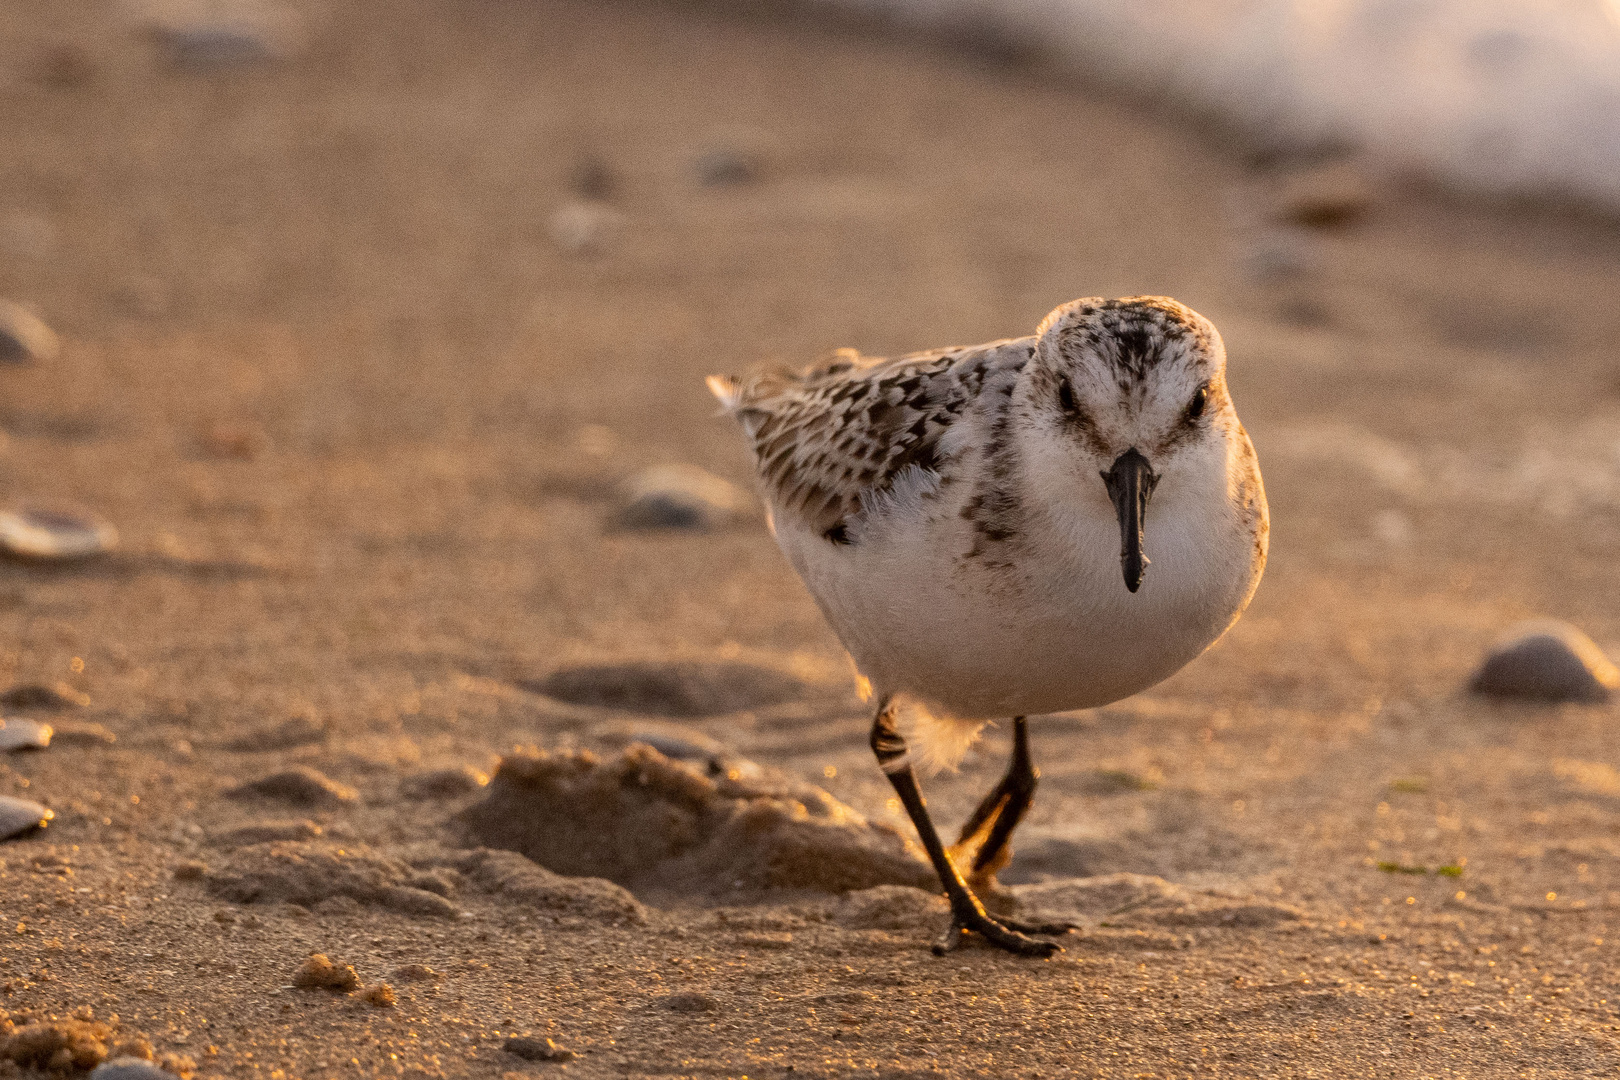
1053	628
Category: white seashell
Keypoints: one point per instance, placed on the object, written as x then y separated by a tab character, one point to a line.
20	734
18	816
54	535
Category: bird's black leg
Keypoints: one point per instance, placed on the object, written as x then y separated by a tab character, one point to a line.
1000	812
967	914
996	818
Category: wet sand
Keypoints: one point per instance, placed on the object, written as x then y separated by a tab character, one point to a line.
361	419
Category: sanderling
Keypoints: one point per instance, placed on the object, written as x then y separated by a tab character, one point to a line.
956	515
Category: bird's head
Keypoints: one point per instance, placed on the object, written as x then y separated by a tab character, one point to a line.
1124	393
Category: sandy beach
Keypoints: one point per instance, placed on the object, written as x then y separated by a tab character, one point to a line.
361	340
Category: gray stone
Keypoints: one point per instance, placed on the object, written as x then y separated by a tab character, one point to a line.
681	497
1546	660
20	734
24	337
35	534
18	816
299	785
130	1068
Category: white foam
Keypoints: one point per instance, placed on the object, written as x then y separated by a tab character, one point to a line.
1500	96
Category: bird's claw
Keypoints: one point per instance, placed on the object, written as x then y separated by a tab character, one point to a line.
1008	934
1027	926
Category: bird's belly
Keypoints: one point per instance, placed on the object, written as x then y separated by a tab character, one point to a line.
1055	635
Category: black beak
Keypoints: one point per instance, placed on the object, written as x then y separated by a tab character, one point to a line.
1130	483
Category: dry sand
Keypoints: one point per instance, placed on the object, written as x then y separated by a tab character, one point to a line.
360	419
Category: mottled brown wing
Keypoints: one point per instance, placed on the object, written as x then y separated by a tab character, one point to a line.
826	437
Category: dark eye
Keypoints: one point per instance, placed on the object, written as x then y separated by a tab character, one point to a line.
1195	407
1066	398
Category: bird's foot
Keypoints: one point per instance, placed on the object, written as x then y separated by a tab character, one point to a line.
1034	926
1000	902
1009	934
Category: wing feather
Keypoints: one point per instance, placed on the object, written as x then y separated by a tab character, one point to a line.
835	438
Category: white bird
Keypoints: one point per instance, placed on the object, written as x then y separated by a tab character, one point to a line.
964	517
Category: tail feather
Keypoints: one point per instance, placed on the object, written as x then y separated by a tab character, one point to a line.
727	389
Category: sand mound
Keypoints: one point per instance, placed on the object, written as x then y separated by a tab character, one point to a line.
652	824
683	688
308	873
892	907
62	1044
513	877
1136	898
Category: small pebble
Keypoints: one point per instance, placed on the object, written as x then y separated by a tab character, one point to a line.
19	734
18	816
530	1048
34	534
320	973
379	994
129	1068
681	497
190	870
443	783
24	337
688	1003
300	785
1546	660
226	33
45	698
724	166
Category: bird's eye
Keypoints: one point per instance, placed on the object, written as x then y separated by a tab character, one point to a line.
1066	398
1195	407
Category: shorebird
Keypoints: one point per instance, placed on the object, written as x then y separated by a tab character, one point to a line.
975	525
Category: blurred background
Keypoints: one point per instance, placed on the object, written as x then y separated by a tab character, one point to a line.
351	413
